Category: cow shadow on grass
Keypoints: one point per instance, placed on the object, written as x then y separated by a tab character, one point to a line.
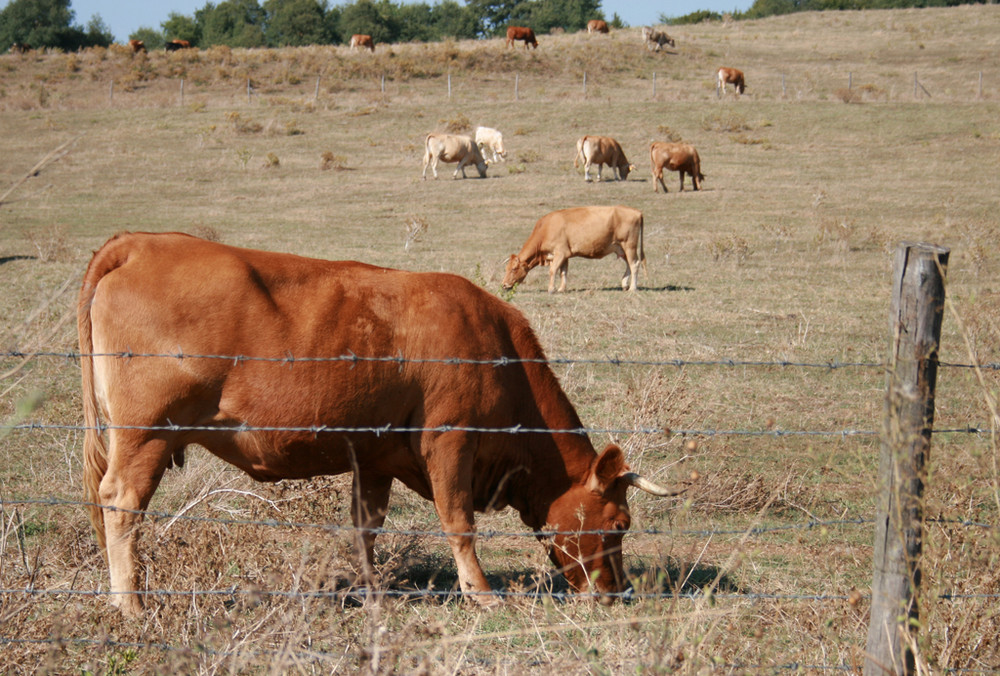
666	288
434	579
11	259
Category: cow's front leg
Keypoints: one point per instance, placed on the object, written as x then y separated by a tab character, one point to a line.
450	470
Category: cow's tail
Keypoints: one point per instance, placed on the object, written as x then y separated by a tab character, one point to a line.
579	153
95	450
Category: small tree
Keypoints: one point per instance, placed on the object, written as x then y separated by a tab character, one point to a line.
295	23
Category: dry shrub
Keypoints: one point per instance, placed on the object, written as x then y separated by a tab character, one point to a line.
328	161
242	125
668	134
415	229
271	161
733	248
728	121
50	244
456	125
848	95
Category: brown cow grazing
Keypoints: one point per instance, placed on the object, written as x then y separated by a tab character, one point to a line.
655	39
601	150
597	26
521	33
442	429
730	76
452	148
20	48
137	46
174	45
588	232
679	157
359	41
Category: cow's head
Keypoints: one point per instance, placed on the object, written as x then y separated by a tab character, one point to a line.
481	166
590	519
514	273
624	169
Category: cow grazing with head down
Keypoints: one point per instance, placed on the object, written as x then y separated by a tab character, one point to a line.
655	39
174	45
452	148
587	232
443	428
359	41
521	33
729	76
680	157
601	150
597	26
137	46
490	142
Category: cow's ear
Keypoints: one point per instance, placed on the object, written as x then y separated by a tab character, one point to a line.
608	466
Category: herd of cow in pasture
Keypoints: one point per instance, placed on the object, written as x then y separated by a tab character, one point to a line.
312	417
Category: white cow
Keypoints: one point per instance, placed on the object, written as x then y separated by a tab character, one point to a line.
489	139
452	148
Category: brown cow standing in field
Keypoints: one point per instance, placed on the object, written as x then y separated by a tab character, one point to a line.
20	48
174	45
597	26
452	148
521	33
137	46
588	232
679	157
359	41
730	76
148	299
601	150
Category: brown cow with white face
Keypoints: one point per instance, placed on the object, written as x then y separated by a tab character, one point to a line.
680	157
601	150
515	33
359	41
137	46
452	148
730	76
587	232
442	428
598	26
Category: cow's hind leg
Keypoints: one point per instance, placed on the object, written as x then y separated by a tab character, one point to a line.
369	505
135	467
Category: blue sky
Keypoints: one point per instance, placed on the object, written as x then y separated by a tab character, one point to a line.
125	16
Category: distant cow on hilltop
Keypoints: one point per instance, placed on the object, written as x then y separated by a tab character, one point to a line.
521	33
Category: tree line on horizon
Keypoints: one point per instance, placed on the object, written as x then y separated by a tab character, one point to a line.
284	23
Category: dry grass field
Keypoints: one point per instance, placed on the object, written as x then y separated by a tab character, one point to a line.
779	266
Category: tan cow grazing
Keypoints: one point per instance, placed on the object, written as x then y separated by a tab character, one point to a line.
655	39
597	26
359	41
679	157
729	76
452	148
587	232
442	429
521	33
601	150
137	46
490	142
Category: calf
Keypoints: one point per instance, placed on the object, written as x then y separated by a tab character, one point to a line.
589	232
679	157
655	39
452	148
730	76
601	150
488	139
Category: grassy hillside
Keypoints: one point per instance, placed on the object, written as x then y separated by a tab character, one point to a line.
831	159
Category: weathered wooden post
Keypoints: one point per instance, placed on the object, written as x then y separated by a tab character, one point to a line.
182	91
654	85
915	327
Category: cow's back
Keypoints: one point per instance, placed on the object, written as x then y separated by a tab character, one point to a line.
263	323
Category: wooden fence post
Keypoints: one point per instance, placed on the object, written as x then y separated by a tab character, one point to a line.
517	82
915	327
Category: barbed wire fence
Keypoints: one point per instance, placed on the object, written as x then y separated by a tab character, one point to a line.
691	594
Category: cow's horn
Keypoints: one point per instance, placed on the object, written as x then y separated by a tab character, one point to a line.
645	484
